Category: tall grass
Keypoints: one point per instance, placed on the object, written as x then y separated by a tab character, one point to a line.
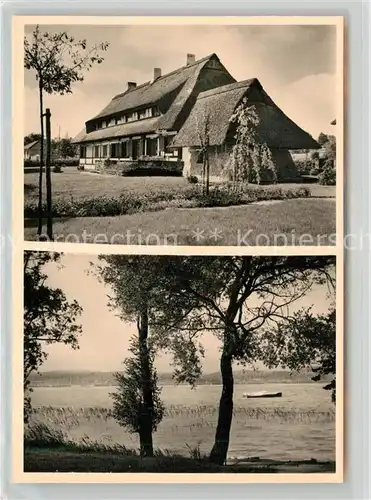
42	435
69	417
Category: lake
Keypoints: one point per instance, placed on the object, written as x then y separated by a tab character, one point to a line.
298	426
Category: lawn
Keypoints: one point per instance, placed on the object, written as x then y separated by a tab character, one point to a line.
289	222
87	185
66	460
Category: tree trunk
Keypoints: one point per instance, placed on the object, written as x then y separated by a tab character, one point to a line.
218	454
207	171
146	420
49	220
40	207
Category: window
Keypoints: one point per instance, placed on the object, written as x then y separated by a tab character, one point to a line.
152	147
114	150
82	151
105	151
142	114
96	151
103	124
125	149
155	111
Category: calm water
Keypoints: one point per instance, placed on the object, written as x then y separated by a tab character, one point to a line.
300	425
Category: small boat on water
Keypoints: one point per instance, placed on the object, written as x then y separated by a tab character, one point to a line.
262	394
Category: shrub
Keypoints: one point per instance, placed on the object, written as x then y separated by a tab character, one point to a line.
328	176
57	169
303	166
129	203
192	179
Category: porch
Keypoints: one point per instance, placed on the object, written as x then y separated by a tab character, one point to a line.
149	153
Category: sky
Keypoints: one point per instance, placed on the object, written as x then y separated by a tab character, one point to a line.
105	338
295	64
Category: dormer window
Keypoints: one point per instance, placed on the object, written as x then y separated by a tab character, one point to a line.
142	114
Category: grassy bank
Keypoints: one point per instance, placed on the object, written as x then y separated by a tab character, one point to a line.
66	460
153	200
48	450
291	222
82	185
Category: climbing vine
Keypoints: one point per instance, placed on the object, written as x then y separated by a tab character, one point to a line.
251	159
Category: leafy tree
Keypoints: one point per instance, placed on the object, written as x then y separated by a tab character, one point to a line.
251	159
59	61
304	341
31	138
137	403
129	406
48	317
233	298
322	139
66	148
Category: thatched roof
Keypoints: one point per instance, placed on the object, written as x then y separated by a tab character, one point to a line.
170	92
125	129
275	128
31	144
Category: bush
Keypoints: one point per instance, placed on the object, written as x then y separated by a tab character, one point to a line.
57	169
314	171
303	167
192	179
129	203
328	176
68	162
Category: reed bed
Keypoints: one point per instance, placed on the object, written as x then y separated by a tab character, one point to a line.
70	417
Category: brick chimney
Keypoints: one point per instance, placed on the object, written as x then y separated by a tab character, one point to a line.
131	85
191	58
156	73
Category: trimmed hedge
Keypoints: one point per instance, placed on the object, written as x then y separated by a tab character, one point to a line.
68	162
139	167
192	197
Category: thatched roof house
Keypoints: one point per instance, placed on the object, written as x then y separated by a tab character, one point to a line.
32	150
137	122
219	104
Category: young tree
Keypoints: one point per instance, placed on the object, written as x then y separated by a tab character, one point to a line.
251	159
59	61
48	317
65	148
130	401
134	285
203	131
